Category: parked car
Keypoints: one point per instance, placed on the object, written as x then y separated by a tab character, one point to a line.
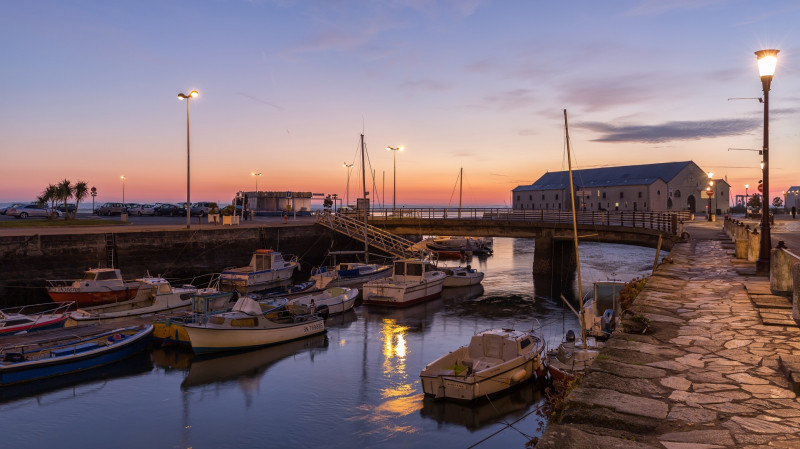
13	206
202	208
143	209
30	210
70	207
169	209
111	209
131	206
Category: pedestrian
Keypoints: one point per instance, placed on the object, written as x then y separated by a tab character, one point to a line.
285	218
794	212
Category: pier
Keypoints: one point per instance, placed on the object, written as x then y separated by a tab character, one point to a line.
717	368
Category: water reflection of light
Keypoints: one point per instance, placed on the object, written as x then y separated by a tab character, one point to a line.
395	350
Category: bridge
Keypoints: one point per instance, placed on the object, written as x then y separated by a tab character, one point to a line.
552	229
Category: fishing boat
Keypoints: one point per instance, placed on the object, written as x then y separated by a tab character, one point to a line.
98	286
495	360
156	295
34	317
330	301
461	276
412	281
30	360
352	274
267	269
249	326
573	357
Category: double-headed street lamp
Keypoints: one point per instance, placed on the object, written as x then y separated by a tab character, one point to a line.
767	61
192	94
347	192
394	175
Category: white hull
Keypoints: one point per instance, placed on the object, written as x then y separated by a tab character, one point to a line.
180	299
208	338
464	281
404	293
336	300
331	279
498	379
244	282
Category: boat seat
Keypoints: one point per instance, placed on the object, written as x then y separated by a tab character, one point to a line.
485	362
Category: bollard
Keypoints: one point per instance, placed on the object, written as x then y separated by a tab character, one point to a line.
741	248
754	240
782	262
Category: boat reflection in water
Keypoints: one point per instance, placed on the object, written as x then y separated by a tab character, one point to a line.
507	407
462	293
246	368
72	385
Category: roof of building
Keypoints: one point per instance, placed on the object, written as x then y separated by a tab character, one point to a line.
628	175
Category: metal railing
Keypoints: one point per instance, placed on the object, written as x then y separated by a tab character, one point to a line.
352	226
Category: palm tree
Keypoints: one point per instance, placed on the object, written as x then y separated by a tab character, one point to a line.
64	193
49	195
79	192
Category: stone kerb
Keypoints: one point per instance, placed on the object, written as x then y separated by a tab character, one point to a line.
782	262
796	292
754	240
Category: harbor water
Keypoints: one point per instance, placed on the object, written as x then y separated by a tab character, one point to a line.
356	386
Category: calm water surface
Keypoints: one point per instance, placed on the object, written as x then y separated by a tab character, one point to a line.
357	386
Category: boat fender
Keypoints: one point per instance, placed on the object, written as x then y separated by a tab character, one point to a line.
570	335
609	321
519	375
115	338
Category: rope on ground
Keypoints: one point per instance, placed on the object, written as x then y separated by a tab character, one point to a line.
536	409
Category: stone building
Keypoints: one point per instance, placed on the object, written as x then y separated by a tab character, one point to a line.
649	187
792	198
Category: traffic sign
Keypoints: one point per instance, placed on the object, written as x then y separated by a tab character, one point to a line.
761	187
710	193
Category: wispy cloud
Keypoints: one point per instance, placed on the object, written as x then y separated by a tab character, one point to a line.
259	100
426	85
512	99
671	131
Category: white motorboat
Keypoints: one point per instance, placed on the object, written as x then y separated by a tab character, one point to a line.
330	301
155	295
247	326
462	276
353	274
572	357
495	360
267	269
98	286
33	317
412	281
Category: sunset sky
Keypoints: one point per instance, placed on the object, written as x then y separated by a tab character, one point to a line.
89	92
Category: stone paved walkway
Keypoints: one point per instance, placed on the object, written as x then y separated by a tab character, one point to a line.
708	374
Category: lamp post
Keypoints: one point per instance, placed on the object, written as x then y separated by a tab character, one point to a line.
192	94
709	194
767	60
347	192
123	189
746	199
257	175
394	175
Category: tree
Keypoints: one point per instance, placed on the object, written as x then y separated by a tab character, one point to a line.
777	202
327	203
64	191
754	202
80	191
49	195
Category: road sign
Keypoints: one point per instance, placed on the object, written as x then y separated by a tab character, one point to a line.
710	193
761	187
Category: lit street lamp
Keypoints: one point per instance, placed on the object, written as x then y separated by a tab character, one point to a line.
192	94
767	60
746	199
347	192
257	175
123	189
709	194
394	175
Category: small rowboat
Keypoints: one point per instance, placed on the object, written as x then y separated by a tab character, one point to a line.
34	317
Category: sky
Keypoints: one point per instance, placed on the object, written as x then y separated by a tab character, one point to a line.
89	91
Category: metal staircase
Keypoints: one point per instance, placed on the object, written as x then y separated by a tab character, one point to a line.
111	250
378	238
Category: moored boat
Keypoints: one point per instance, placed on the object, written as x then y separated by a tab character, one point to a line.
495	360
353	274
572	358
33	317
32	360
267	269
247	326
461	276
412	281
98	286
330	301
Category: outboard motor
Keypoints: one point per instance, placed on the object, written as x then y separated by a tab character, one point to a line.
609	321
570	336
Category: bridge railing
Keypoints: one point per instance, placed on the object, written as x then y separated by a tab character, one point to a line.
663	221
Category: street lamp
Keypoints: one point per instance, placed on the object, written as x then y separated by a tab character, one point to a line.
709	194
767	60
746	199
192	94
394	175
347	192
123	189
257	175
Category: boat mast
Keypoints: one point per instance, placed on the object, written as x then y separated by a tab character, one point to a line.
365	203
575	232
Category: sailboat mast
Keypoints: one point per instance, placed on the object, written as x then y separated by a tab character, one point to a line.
460	189
365	203
575	231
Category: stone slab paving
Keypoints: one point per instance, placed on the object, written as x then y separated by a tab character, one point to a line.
709	373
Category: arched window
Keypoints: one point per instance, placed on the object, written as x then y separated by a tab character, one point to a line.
677	194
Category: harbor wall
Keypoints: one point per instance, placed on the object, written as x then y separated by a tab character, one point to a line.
28	261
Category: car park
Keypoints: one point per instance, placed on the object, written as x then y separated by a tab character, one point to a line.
142	209
111	209
30	210
13	206
170	210
70	207
202	208
130	207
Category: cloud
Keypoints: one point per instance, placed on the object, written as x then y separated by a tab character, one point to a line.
671	131
258	100
512	99
423	86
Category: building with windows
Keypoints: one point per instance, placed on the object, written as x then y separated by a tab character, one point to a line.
649	187
792	199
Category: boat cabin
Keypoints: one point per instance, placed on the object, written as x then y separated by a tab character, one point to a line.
102	274
411	269
266	259
493	347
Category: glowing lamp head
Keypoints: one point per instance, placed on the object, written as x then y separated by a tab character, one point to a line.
767	61
747	186
192	94
710	175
